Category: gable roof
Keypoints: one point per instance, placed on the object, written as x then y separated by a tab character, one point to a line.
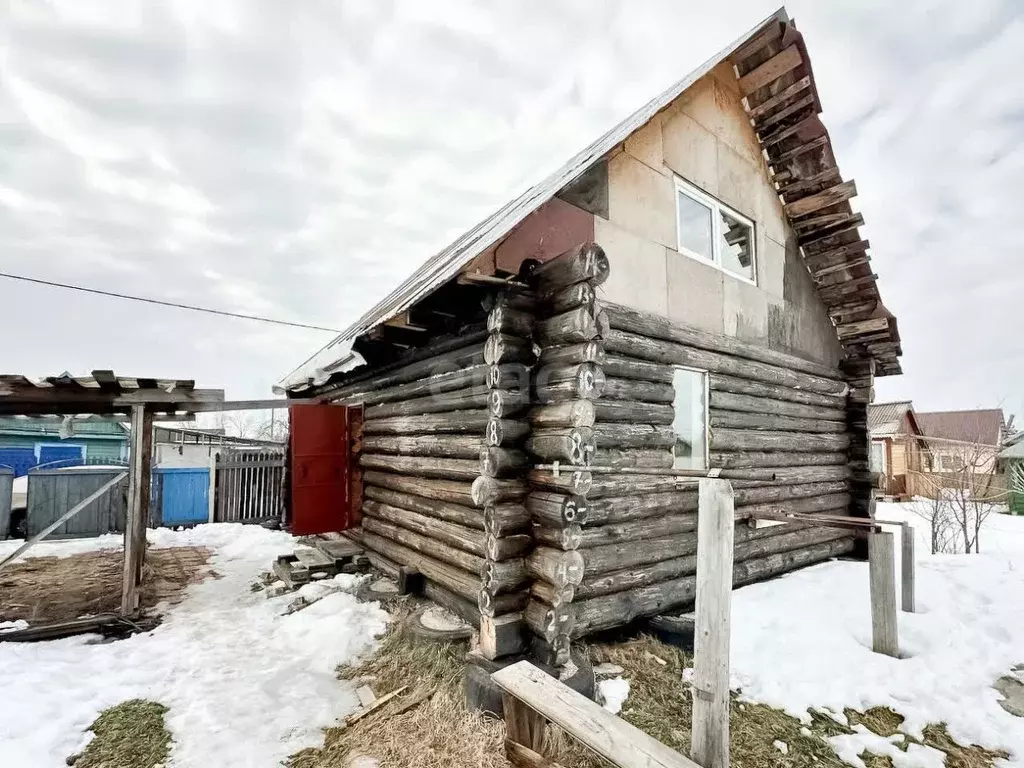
783	105
886	419
976	426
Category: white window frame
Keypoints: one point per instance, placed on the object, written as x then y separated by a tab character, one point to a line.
717	208
706	379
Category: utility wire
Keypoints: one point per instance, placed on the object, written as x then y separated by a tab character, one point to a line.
158	302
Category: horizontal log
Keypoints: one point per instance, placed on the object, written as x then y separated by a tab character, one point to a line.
502	462
459	514
438	445
490	604
789	474
460	400
627	435
639	505
473	421
800	442
782	493
634	412
621	342
636	390
612	557
633	368
572	327
504	403
501	548
472	540
731	401
452	381
488	491
459	581
579	389
833	502
586	352
557	510
745	459
658	327
571	413
586	262
547	621
740	386
771	421
561	569
514	376
633	457
551	595
638	530
465	609
502	348
631	578
566	538
604	485
444	469
506	519
513	322
505	432
439	490
620	608
572	297
501	578
573	445
425	545
577	482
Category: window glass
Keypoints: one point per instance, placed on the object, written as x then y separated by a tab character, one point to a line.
877	457
694	226
690	423
737	246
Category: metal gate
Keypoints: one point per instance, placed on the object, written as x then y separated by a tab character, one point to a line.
249	485
6	494
320	469
181	496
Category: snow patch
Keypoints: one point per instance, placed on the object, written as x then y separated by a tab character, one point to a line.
782	746
613	693
850	747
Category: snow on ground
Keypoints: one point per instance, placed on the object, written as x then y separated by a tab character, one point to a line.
245	685
805	641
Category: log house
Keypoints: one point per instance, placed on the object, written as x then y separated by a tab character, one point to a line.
690	293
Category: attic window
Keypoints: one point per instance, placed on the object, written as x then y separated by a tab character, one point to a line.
714	233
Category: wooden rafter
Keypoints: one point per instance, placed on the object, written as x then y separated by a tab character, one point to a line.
823	199
785	61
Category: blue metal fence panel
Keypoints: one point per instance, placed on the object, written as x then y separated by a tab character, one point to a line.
52	492
182	495
6	493
20	459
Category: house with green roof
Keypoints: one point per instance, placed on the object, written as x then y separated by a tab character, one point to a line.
30	442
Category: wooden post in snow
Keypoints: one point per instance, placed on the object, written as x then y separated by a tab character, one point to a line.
139	477
882	573
907	567
715	524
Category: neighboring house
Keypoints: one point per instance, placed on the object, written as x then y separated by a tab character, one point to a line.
506	400
1011	463
897	446
28	442
959	439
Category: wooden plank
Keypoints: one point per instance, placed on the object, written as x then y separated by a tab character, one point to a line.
589	723
715	529
817	274
839	253
882	574
782	114
823	199
139	475
907	568
778	65
766	106
771	33
525	725
808	128
524	757
828	176
847	330
792	154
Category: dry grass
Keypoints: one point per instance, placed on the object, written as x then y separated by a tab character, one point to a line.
441	733
129	735
45	589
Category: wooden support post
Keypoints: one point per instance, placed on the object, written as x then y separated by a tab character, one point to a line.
139	477
715	527
524	725
882	571
907	567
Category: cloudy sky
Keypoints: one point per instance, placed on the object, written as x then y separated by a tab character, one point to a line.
297	160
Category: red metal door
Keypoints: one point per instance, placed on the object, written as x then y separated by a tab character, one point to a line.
320	468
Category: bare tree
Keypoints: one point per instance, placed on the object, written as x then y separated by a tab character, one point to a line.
941	525
256	425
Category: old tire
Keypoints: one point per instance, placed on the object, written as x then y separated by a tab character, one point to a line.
432	633
483	695
676	631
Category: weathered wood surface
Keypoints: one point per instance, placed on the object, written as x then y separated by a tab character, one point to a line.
513	376
550	594
491	604
655	326
756	459
422	466
576	482
634	368
783	492
586	262
503	577
503	348
460	400
576	295
573	445
452	381
501	635
461	515
557	509
471	540
514	322
572	327
633	457
503	403
907	569
772	422
459	581
604	485
465	609
553	624
545	698
505	432
469	421
639	506
439	490
487	491
502	462
566	538
789	474
612	557
882	575
437	445
633	412
710	723
505	519
634	435
425	545
637	530
558	568
740	386
570	413
829	503
636	390
586	352
501	548
800	442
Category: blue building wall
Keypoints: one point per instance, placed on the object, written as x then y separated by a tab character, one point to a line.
25	443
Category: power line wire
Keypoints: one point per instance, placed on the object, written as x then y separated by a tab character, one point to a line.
175	305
